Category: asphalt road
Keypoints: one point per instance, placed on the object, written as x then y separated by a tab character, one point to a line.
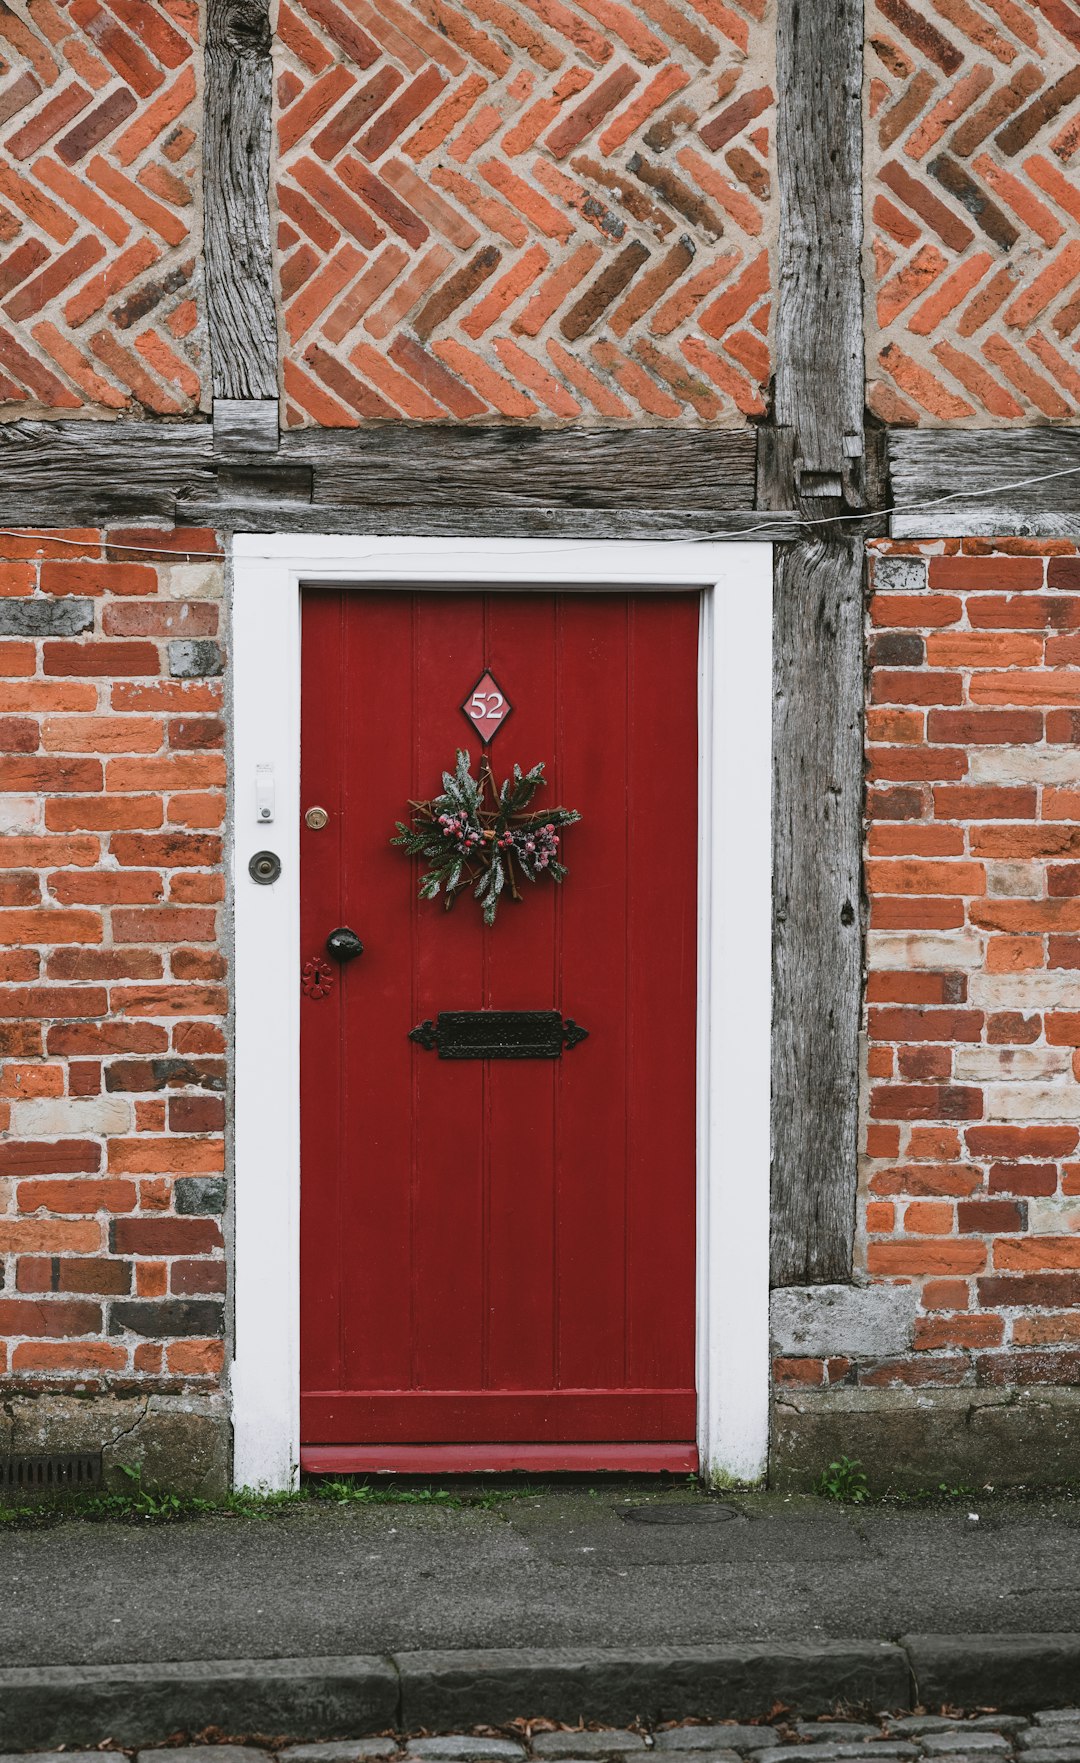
552	1567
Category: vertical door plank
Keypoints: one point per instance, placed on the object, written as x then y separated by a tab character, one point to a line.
448	1172
522	965
661	852
592	1126
373	757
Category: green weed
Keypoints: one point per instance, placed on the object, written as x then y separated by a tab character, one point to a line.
135	1503
844	1480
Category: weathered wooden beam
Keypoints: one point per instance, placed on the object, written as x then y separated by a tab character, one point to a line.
816	461
404	479
968	476
236	181
418	469
259	515
819	324
64	473
817	886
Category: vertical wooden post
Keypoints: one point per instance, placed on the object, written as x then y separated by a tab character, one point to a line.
236	175
815	461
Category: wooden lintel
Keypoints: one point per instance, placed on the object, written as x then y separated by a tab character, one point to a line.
604	483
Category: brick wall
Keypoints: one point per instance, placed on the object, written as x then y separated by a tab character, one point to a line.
539	214
973	212
970	1189
99	207
112	996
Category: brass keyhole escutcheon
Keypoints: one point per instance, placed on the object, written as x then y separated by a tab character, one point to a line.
316	819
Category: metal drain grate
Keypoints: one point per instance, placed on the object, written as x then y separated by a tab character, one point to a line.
53	1470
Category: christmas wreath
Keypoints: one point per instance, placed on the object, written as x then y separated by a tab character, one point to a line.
475	835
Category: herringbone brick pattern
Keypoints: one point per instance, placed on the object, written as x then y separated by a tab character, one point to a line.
973	216
98	206
525	209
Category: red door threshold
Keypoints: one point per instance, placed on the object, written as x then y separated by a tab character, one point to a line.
473	1459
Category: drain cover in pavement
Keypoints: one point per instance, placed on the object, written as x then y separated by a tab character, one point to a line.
677	1514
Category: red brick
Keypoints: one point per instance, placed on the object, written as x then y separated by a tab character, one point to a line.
168	850
954	1179
963	1255
986	575
49	1317
96	658
926	1025
164	1236
987	1217
985	802
984	727
1027	1179
915	912
98	578
895	685
191	1277
932	1333
1021	1141
67	1356
51	775
916	988
49	1157
163	924
103	813
157	1155
196	1114
77	1196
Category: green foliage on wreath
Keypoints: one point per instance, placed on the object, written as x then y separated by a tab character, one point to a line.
476	835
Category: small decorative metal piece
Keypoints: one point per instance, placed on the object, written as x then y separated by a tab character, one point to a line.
316	819
498	1034
264	868
317	978
487	707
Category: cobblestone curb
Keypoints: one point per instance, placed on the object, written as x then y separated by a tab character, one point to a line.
323	1698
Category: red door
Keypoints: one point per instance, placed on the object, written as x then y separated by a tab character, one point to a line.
498	1254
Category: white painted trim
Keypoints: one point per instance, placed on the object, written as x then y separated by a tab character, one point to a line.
733	952
734	1018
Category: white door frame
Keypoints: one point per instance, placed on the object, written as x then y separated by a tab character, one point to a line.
734	954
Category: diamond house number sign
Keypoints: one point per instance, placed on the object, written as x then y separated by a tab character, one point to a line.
487	707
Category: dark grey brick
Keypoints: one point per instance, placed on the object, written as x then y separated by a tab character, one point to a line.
463	1747
882	1750
158	1317
835	1731
192	658
337	1751
198	1754
46	617
963	1742
52	1757
611	1742
897	649
715	1738
905	575
199	1193
914	1725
